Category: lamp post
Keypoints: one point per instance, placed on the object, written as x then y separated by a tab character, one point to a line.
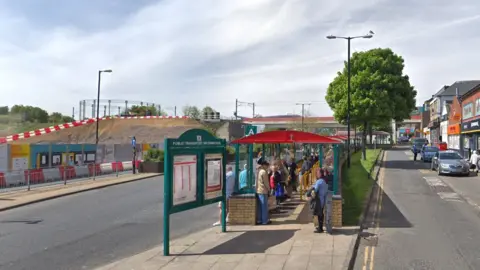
97	120
369	35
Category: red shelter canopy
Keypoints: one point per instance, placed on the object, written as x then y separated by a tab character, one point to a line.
286	136
340	137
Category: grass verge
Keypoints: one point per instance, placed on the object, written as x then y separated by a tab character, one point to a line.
355	185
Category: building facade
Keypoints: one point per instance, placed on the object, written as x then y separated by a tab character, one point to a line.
435	117
470	129
445	94
454	124
445	112
425	119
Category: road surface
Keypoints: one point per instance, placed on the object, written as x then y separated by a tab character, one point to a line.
93	228
417	221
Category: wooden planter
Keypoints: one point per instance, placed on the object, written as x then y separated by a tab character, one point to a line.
151	167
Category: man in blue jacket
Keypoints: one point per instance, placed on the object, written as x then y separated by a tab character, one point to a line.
318	197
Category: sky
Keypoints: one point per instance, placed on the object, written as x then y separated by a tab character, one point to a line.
209	52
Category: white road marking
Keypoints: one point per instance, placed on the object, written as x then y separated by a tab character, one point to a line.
446	196
408	153
434	181
450	196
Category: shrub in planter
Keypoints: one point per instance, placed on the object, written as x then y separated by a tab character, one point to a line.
153	161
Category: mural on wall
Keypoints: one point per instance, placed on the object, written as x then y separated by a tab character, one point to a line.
19	156
14	157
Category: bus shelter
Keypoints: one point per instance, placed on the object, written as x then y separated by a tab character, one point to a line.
242	206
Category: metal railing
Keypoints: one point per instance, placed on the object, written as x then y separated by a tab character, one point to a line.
33	178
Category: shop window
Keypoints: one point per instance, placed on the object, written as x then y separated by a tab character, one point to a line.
43	160
477	106
56	159
468	111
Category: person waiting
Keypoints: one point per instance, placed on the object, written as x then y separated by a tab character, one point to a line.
317	196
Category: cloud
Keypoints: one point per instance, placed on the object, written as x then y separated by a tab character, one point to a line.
178	52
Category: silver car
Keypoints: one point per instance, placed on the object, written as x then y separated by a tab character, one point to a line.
450	162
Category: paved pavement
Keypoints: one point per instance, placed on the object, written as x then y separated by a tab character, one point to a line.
278	246
418	221
93	228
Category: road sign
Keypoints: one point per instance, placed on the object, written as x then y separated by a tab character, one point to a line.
250	130
134	142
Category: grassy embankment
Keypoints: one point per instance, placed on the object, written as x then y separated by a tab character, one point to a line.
355	185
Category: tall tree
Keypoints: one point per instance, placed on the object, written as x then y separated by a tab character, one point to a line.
30	113
4	110
207	110
191	111
380	91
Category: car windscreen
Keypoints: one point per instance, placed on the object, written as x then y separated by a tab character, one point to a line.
431	149
450	155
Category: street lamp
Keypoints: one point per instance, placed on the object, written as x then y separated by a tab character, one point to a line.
97	118
369	35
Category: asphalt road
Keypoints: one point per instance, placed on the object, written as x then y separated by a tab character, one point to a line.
94	228
420	221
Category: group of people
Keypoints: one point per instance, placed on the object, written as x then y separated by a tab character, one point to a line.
280	180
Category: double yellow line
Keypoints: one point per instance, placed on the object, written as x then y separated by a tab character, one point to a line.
368	260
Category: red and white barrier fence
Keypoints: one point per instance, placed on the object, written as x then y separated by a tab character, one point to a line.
62	173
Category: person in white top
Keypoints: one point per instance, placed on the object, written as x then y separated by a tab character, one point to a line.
230	186
474	160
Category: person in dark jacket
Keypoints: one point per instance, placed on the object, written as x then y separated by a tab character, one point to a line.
292	169
305	165
277	179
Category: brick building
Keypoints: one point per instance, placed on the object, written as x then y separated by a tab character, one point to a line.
454	122
470	128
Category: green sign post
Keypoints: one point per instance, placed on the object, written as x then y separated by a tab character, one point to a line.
194	176
250	130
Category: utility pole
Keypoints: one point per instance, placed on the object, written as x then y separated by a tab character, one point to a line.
235	113
303	113
349	39
175	110
240	103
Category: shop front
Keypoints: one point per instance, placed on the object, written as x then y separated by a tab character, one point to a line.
471	135
434	127
454	136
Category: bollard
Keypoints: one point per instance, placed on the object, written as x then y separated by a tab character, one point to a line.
65	175
28	181
300	182
328	210
116	168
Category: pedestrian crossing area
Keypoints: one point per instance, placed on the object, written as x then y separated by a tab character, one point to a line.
444	191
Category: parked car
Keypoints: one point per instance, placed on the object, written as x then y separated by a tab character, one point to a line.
419	140
450	162
428	152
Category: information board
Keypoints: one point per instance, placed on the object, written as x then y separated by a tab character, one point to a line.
213	175
184	179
